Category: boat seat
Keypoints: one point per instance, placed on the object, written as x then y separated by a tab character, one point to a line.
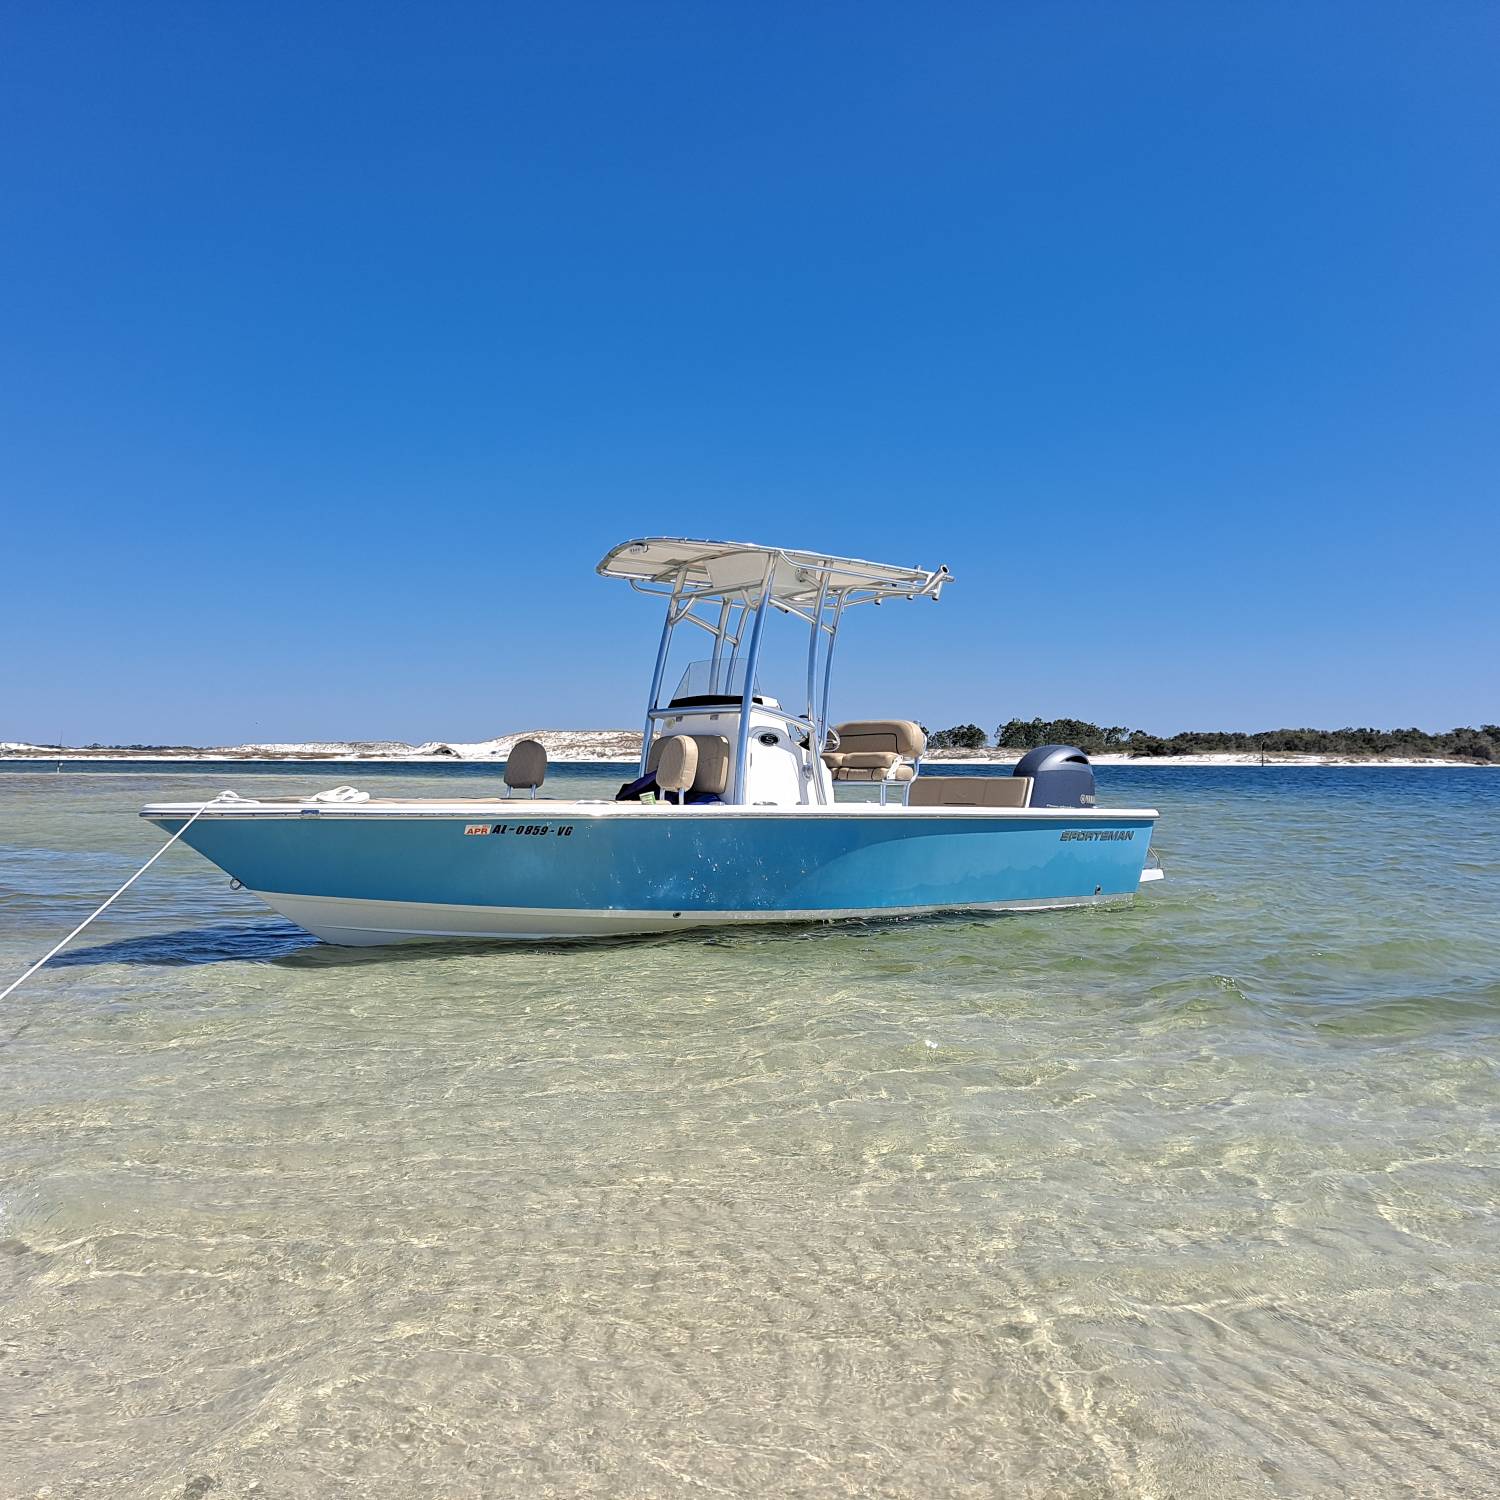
525	766
970	791
677	765
874	745
711	778
883	750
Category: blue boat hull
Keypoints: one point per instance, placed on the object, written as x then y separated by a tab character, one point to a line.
539	870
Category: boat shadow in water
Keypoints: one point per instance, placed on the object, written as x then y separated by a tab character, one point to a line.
216	943
287	945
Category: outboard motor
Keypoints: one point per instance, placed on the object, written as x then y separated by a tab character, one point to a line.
1060	776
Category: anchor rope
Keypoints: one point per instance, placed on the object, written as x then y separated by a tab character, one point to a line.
104	906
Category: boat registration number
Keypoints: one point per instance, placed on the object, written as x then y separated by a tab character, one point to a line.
522	830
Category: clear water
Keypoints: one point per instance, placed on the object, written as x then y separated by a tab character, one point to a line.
1197	1197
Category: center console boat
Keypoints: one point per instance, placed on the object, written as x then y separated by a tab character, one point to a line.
732	815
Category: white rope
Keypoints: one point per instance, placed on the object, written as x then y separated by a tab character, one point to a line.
54	951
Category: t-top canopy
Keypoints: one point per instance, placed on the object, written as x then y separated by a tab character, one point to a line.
738	570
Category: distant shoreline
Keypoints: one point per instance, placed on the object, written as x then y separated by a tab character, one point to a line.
609	747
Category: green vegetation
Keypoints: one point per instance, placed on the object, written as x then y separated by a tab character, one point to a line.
960	737
1027	734
1466	743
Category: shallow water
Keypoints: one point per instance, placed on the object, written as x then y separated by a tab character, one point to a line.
1194	1197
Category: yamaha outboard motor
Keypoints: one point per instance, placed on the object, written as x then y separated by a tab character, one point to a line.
1060	776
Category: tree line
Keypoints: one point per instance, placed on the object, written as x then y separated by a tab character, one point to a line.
1464	743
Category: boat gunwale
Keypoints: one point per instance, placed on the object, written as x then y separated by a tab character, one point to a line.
516	809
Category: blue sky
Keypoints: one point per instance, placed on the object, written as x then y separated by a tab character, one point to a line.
340	341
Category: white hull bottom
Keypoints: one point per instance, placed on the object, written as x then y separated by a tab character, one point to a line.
361	923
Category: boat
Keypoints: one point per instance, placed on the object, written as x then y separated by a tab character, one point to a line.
741	810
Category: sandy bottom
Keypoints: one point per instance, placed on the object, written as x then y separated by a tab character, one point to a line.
1191	1198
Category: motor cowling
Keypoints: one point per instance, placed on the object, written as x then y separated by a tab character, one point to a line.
1061	776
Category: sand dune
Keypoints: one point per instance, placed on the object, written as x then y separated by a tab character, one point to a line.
608	745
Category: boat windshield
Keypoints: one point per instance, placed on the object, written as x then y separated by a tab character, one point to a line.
712	682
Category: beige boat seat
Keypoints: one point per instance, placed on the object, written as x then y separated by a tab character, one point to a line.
711	771
970	791
677	765
525	767
876	750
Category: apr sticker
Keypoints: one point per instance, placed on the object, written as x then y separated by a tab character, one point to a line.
470	828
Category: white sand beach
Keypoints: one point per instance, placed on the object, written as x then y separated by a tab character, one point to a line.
610	745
